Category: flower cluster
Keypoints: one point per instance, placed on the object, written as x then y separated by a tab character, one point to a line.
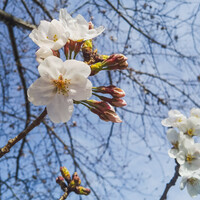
73	183
186	149
63	83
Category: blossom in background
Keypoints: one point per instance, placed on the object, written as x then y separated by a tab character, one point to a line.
176	139
78	27
60	83
188	156
43	53
195	112
175	119
51	35
192	126
192	182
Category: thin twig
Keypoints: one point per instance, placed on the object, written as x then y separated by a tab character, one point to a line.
11	20
23	134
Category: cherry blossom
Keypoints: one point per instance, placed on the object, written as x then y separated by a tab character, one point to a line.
78	27
60	83
51	35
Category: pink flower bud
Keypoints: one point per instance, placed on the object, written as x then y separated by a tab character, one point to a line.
114	59
100	114
112	116
105	111
120	66
117	102
81	190
59	179
90	25
100	105
112	90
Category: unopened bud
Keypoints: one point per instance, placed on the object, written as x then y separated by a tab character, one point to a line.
76	179
65	173
117	102
114	59
100	105
120	66
97	67
90	25
82	190
112	116
61	182
112	90
100	114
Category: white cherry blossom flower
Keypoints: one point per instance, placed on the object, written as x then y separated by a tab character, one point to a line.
175	119
195	112
176	139
60	83
192	126
78	27
188	156
192	182
43	53
52	34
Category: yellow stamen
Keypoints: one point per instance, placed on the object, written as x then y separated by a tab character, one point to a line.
189	158
190	132
179	120
55	38
62	85
192	181
175	145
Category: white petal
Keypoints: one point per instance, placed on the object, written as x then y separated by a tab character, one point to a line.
80	92
41	92
64	15
74	67
180	157
167	122
173	152
92	33
195	112
62	40
183	183
172	135
173	113
60	109
51	68
193	190
43	53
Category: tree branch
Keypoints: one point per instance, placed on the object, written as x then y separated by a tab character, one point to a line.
10	19
23	134
171	183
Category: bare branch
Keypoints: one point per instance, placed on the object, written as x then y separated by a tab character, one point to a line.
10	19
23	134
